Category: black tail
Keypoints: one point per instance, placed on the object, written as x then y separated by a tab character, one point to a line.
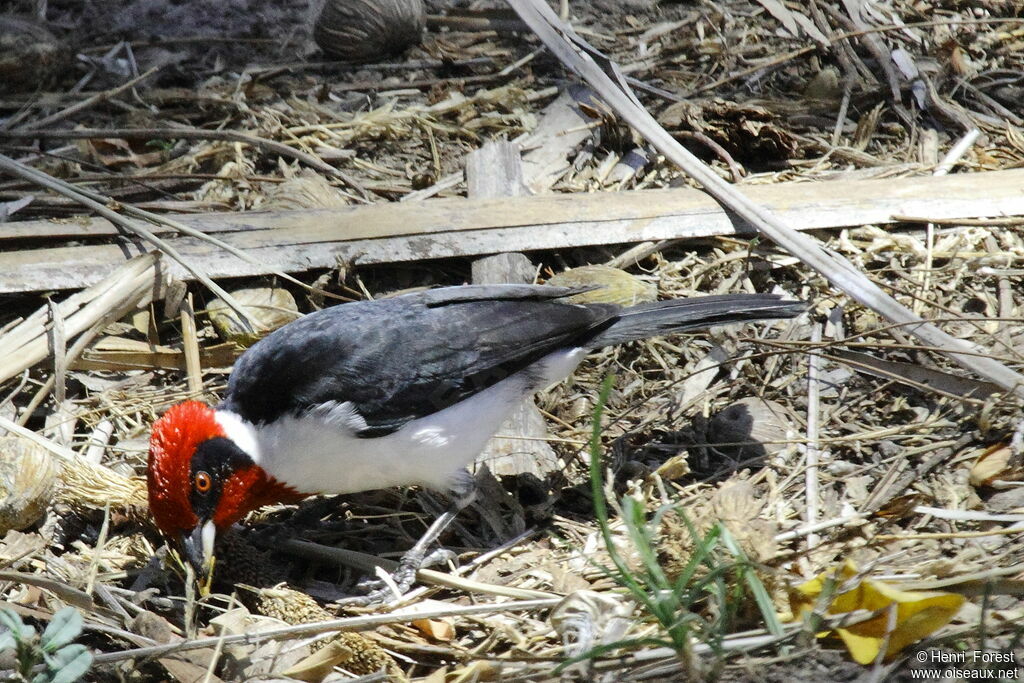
677	315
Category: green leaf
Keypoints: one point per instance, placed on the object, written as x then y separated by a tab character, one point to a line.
10	619
69	664
62	629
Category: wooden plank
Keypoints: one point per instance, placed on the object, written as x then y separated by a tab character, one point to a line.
495	170
805	204
393	232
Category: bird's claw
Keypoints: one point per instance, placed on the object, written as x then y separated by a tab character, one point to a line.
439	557
388	588
382	589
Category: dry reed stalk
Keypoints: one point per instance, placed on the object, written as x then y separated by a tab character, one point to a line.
36	324
134	284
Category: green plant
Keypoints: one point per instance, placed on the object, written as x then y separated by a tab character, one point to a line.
699	603
62	660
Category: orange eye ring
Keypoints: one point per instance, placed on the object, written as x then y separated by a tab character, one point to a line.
203	482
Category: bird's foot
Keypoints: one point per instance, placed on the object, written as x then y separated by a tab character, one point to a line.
391	587
387	588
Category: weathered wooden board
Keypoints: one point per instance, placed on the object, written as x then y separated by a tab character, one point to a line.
496	170
385	233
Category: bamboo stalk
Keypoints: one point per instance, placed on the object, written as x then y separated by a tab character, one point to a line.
129	286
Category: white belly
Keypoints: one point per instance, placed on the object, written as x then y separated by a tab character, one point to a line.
318	452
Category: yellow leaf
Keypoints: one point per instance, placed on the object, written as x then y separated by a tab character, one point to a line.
905	616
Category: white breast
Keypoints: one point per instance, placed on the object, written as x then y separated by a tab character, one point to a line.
318	452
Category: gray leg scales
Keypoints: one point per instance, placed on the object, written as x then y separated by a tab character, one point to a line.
462	491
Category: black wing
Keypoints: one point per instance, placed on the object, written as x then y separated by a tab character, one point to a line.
399	359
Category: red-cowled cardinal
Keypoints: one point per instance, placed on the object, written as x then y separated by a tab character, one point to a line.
385	393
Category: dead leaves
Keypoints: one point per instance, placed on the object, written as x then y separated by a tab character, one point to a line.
748	132
996	465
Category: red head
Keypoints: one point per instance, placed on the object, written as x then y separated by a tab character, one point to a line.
200	481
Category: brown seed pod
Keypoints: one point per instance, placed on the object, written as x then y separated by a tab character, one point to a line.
29	54
365	30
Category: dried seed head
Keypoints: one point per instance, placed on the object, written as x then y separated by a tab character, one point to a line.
616	285
268	307
295	607
290	606
28	480
29	54
94	487
365	30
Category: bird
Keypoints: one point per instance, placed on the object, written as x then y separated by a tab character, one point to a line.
395	391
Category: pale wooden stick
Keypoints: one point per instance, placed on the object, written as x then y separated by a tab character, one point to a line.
190	342
496	170
86	103
334	625
944	167
369	563
813	415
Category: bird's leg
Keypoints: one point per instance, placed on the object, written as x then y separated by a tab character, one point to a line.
462	491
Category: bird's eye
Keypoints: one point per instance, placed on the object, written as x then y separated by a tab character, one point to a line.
203	482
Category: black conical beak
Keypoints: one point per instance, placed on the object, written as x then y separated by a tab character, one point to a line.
198	547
